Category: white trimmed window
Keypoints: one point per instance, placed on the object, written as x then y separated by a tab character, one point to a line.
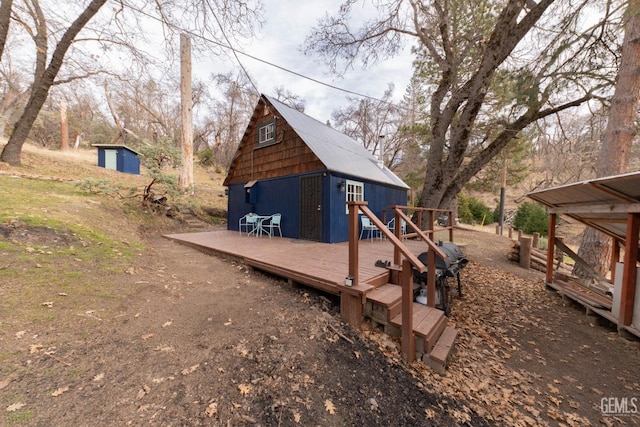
355	192
267	133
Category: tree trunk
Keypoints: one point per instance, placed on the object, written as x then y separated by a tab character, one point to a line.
618	136
64	126
40	91
186	179
5	18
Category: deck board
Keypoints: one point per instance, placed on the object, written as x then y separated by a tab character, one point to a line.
325	263
386	295
419	313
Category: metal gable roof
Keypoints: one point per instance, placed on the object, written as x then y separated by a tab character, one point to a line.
115	146
337	151
602	203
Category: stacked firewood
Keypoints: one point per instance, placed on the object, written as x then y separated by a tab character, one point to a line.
537	258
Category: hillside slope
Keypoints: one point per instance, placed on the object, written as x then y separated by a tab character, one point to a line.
105	322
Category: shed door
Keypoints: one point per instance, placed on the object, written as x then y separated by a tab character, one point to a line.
311	208
110	159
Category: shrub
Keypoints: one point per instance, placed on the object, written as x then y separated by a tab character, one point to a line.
473	210
530	218
206	157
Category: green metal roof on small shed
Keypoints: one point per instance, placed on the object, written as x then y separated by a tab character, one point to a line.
602	203
115	146
337	151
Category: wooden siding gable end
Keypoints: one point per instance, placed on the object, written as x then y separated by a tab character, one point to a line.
288	155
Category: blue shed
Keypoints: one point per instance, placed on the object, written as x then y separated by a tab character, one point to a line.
292	164
118	157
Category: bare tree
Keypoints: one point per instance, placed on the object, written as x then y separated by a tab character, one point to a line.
620	131
44	77
566	151
490	72
233	113
5	19
373	123
12	90
289	98
117	32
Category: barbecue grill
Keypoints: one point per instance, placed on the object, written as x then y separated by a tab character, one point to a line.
445	269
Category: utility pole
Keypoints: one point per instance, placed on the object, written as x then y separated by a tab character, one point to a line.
186	180
503	191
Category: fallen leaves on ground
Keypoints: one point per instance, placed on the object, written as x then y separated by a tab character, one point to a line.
245	389
60	391
190	369
34	348
15	407
5	382
485	345
330	407
212	409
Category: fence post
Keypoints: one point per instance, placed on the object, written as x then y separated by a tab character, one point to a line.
525	252
536	240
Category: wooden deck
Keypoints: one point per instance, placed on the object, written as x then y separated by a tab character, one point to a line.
320	265
325	266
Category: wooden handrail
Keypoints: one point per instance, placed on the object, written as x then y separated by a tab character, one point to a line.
420	233
408	339
382	227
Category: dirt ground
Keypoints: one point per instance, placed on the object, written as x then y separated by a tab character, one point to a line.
193	339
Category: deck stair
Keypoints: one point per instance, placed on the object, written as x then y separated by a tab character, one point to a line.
435	339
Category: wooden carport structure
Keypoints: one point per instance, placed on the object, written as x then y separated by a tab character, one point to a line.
612	206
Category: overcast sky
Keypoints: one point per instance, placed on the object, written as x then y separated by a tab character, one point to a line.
279	42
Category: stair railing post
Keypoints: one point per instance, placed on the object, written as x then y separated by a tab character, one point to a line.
430	226
431	278
397	223
353	240
408	339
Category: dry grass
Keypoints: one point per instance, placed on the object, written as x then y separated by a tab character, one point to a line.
76	165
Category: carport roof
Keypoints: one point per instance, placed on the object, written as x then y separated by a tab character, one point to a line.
601	203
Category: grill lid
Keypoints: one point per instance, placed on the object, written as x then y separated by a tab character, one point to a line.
455	258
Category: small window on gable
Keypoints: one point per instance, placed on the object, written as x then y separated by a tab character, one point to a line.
267	133
355	192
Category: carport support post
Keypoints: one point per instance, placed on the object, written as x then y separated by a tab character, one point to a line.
408	340
628	291
551	245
